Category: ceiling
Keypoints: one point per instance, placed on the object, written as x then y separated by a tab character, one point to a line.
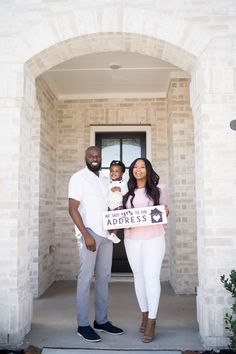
91	76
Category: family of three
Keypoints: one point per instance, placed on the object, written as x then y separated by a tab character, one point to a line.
144	245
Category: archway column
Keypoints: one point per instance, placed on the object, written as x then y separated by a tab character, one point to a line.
213	100
15	293
182	221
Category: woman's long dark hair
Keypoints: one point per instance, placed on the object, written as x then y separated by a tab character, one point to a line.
152	190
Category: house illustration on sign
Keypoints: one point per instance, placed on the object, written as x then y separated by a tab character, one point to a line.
156	216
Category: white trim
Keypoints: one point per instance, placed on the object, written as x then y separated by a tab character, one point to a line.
123	128
126	95
179	74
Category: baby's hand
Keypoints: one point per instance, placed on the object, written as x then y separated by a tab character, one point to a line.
167	210
116	189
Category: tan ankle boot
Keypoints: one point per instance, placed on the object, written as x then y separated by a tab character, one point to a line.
144	322
149	331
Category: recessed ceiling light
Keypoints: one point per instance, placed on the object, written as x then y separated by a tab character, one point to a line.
114	66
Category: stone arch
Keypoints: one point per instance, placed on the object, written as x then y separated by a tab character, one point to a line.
102	42
89	44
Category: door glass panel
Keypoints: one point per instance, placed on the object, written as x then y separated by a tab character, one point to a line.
131	149
120	146
110	151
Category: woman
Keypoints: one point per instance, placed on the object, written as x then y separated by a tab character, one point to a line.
145	245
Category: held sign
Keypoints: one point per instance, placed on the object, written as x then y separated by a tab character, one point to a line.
120	219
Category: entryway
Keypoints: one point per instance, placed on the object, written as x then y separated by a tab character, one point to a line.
123	146
61	130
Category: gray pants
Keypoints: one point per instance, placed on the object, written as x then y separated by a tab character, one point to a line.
97	264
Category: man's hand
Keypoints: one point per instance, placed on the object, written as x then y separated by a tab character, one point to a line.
76	217
90	243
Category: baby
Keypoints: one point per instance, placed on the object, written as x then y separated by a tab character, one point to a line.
117	188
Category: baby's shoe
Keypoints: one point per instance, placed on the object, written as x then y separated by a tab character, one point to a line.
113	238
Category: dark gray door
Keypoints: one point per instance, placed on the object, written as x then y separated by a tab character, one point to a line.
124	147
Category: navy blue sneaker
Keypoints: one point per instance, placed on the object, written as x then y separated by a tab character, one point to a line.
88	334
108	328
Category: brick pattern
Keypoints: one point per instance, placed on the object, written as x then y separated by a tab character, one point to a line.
15	292
46	143
213	110
182	189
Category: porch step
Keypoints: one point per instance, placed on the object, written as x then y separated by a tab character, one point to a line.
106	351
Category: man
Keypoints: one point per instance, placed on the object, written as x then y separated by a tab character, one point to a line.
88	199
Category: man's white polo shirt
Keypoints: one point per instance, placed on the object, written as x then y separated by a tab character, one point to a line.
92	193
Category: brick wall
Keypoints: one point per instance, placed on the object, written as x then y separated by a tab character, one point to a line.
215	146
45	140
15	292
183	256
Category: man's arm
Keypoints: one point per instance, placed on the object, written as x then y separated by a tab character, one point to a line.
77	219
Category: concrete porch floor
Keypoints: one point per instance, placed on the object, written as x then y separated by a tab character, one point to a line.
54	320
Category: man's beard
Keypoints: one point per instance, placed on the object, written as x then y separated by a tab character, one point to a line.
92	168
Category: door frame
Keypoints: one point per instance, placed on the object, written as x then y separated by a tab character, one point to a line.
122	128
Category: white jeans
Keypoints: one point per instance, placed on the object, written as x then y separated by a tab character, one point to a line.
145	258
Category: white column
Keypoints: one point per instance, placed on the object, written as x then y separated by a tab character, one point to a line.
15	294
213	98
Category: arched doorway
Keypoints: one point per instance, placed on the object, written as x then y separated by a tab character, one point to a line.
57	253
80	134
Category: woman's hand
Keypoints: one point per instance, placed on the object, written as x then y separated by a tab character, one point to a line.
167	210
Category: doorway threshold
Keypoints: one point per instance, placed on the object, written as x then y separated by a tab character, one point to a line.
122	277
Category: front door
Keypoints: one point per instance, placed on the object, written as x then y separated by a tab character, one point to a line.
125	147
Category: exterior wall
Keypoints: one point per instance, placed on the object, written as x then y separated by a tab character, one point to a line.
15	294
213	102
198	37
183	255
